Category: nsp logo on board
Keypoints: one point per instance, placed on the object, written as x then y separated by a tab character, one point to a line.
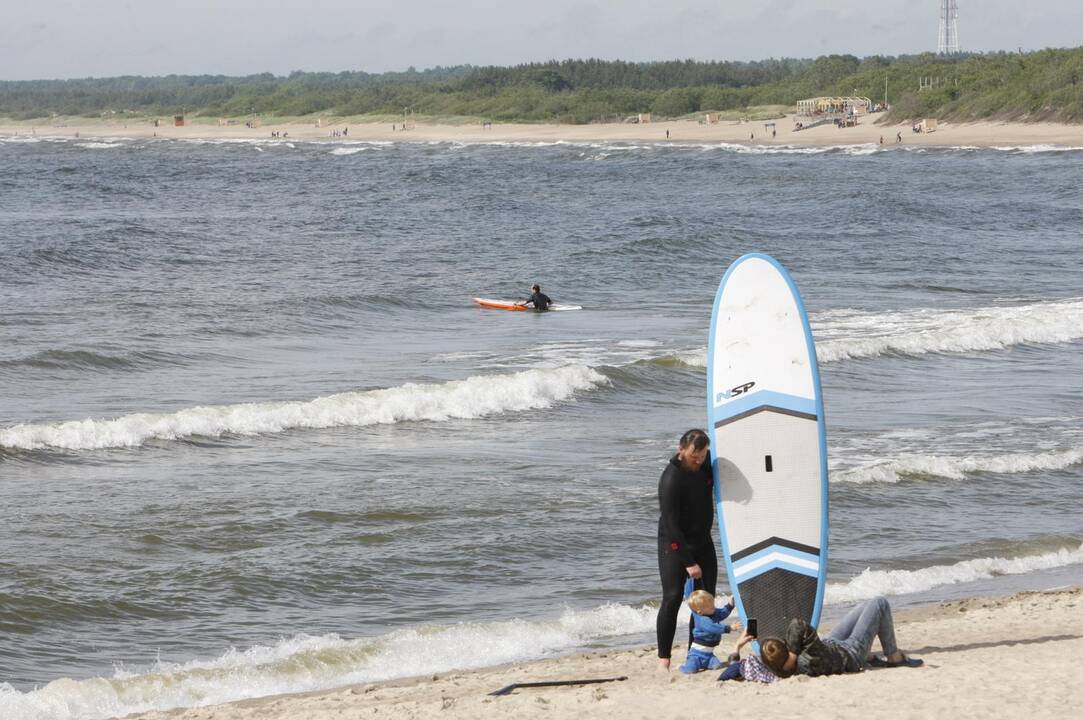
733	392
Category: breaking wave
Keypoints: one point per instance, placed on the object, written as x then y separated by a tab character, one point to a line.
473	397
871	583
305	663
853	334
958	468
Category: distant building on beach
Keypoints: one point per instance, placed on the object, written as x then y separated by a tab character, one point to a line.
843	111
178	121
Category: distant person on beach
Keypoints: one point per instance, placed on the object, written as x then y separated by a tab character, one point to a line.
667	134
538	300
707	631
685	547
898	137
844	650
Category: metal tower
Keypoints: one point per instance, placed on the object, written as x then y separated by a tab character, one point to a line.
947	39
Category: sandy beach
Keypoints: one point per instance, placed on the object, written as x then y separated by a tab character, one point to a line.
980	134
1001	657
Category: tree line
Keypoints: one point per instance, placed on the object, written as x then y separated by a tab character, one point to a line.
1041	85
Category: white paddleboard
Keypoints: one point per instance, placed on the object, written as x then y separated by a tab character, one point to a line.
768	440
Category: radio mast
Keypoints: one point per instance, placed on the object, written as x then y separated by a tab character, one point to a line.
947	40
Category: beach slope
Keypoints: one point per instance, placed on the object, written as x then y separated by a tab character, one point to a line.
984	658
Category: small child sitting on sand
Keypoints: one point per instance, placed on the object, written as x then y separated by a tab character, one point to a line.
707	631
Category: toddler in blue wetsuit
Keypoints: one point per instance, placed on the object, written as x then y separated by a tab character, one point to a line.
707	631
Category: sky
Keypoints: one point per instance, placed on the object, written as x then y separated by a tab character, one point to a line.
44	39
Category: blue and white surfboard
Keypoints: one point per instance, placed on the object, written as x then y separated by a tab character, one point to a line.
766	417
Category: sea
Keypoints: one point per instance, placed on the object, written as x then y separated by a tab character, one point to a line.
255	437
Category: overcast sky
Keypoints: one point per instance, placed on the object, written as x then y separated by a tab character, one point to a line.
81	38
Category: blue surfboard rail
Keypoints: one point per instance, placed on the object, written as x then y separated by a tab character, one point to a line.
791	558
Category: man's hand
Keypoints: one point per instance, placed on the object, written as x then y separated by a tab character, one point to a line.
694	571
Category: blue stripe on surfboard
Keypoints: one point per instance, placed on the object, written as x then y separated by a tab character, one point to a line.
782	549
764	398
778	565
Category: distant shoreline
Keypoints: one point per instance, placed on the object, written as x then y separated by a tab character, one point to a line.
753	133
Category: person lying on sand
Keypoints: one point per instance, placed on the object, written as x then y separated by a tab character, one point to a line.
844	650
750	668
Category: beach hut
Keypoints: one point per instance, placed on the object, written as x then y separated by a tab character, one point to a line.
178	121
710	118
928	125
644	118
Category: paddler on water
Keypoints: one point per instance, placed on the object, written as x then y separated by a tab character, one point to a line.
538	300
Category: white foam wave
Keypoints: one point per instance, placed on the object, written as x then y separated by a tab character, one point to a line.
958	468
871	583
852	334
98	145
474	397
1039	148
844	335
348	150
305	663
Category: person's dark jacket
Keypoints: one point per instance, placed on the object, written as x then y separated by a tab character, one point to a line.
540	301
686	501
814	655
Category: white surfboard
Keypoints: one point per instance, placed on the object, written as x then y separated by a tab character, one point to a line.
768	441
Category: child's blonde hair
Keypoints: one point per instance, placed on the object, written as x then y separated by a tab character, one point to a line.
702	602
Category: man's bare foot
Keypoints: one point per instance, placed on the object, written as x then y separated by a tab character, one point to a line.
663	663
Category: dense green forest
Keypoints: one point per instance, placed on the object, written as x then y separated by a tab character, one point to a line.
1043	85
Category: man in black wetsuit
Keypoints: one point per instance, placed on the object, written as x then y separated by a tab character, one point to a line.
539	300
685	547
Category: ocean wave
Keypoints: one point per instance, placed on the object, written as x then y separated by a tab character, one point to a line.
90	360
305	663
348	150
1033	149
958	468
474	397
844	335
871	583
99	145
854	334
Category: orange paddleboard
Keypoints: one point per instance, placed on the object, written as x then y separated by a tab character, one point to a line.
499	304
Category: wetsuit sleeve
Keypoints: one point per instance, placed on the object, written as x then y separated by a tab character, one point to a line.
669	501
799	635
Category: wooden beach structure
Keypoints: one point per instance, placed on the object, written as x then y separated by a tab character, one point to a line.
843	111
